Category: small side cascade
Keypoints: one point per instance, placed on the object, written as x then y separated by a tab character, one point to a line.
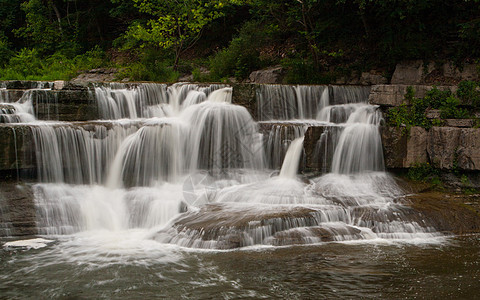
359	147
32	103
277	139
292	159
117	101
76	154
148	100
286	102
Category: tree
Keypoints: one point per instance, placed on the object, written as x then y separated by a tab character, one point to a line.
175	24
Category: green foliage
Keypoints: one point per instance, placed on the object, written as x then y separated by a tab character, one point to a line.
467	185
449	105
410	115
152	66
174	25
5	52
435	97
449	109
424	172
304	71
241	57
39	27
198	76
27	64
468	92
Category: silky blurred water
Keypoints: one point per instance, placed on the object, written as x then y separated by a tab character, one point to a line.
72	268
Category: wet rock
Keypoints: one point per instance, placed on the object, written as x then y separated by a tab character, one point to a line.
416	147
26	84
448	213
65	105
219	226
11	95
268	76
394	142
404	149
17	150
17	209
244	94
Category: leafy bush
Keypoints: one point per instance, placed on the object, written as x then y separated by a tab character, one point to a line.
468	93
151	67
238	60
27	65
413	115
242	56
424	172
303	71
435	97
450	110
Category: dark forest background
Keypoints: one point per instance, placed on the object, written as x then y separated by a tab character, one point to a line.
315	41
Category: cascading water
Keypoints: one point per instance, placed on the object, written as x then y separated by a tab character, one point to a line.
125	174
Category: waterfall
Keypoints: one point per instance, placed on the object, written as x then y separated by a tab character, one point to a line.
277	140
147	100
359	147
182	164
292	159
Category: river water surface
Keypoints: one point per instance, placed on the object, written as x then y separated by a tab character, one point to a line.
77	269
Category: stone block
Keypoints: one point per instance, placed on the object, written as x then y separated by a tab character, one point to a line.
461	123
442	146
268	76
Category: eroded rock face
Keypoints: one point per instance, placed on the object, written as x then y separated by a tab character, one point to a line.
404	149
442	146
97	75
391	95
16	149
416	147
17	211
468	151
411	72
418	72
269	76
244	94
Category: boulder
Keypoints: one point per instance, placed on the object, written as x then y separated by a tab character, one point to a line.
269	76
58	84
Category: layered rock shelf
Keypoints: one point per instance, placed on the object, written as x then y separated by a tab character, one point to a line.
453	145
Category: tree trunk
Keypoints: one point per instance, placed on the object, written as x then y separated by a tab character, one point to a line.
57	14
